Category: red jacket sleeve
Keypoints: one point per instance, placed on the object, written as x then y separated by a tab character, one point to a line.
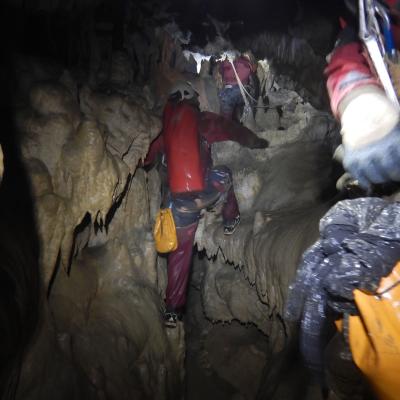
347	69
216	128
156	147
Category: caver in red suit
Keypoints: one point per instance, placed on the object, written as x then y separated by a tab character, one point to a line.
194	184
230	95
369	121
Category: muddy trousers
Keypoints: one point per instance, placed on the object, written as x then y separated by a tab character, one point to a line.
186	209
231	101
230	98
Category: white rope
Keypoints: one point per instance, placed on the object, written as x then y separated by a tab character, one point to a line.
241	87
248	94
243	90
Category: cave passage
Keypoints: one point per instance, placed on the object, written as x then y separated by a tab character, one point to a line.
84	85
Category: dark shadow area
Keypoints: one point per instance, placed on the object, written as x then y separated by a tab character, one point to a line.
61	33
251	17
19	246
117	203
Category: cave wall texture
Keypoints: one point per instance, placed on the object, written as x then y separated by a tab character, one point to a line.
84	116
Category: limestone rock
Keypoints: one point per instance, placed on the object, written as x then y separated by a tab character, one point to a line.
98	261
129	127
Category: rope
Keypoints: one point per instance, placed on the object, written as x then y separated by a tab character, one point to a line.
241	87
243	90
248	94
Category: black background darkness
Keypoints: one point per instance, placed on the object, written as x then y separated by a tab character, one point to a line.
54	33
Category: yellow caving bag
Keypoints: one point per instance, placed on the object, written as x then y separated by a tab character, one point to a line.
165	231
374	336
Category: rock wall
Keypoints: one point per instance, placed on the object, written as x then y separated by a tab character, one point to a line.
101	334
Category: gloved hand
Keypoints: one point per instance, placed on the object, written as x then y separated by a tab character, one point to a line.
371	136
370	122
378	162
258	143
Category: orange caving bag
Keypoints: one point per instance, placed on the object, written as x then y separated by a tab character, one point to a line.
374	336
165	231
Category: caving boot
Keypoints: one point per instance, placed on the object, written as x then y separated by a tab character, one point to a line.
171	318
231	227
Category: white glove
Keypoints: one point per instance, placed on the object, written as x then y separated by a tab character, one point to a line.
370	136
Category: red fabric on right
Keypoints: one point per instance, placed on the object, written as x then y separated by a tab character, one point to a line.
347	69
